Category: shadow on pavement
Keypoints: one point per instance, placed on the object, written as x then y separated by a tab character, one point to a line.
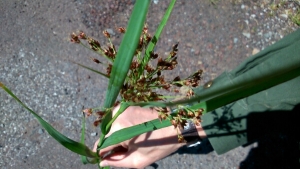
277	134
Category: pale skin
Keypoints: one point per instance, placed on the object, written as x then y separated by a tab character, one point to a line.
144	149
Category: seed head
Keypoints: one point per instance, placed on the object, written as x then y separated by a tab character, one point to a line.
88	112
96	60
74	38
82	35
121	30
97	122
106	34
181	139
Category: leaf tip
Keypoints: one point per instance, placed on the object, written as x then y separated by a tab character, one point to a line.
1	85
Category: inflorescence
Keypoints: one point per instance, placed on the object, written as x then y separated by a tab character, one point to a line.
145	79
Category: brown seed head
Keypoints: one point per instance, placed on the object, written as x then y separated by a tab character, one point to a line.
158	73
175	124
82	35
145	29
74	38
108	69
97	122
177	78
100	113
96	60
88	111
172	54
153	55
175	47
181	139
106	34
121	30
191	114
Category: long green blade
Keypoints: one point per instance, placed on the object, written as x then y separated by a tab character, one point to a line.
126	51
133	131
156	36
63	140
124	57
93	70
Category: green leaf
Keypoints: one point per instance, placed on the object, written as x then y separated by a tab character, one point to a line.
84	159
70	144
124	58
126	51
93	70
130	132
156	36
122	108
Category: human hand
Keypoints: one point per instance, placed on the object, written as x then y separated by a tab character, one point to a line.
141	150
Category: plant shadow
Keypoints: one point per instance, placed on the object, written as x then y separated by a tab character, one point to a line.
277	134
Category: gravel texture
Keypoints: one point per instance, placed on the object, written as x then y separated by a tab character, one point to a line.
36	63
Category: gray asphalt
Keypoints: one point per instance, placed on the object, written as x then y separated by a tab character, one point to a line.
36	63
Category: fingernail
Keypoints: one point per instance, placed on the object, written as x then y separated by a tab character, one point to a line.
103	163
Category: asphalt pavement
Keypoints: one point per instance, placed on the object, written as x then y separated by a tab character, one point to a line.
36	63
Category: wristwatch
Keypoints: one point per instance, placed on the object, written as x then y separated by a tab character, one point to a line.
190	134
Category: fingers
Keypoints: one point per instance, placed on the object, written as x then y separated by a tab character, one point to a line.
129	159
126	159
95	145
113	149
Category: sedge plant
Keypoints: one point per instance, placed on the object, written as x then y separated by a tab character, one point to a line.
135	73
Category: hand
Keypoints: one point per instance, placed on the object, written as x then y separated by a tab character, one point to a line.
141	150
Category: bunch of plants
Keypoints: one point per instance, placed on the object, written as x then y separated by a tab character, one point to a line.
136	74
145	79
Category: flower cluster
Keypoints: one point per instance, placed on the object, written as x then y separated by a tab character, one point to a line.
108	52
180	116
99	115
146	77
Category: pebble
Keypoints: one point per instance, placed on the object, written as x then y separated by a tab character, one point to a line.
189	44
155	1
235	40
2	125
110	31
94	134
247	34
255	51
285	16
268	35
253	16
41	131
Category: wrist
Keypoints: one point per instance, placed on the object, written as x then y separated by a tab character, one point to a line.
200	131
192	134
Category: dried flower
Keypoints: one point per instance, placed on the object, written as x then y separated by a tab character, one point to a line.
108	69
87	112
121	29
106	34
181	139
74	38
82	35
97	122
96	60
